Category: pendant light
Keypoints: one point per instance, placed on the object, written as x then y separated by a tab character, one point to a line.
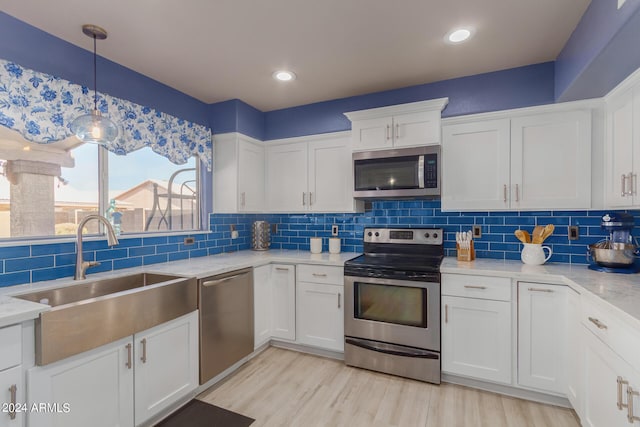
94	128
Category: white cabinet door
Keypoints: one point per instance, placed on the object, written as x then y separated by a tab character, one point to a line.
330	175
287	177
283	288
542	336
97	386
475	165
262	305
603	393
372	134
619	152
166	365
250	177
415	129
551	161
476	338
575	353
12	392
320	315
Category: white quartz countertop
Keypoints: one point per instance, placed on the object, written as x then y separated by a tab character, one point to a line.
14	310
622	291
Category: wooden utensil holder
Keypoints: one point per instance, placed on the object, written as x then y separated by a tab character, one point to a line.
466	254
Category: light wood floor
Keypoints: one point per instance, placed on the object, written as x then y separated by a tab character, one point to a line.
286	388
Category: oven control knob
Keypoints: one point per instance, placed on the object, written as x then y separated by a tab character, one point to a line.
435	235
377	234
426	235
369	234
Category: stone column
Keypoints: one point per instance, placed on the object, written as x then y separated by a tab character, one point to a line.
32	197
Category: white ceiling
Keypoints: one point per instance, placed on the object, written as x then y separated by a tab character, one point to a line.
215	50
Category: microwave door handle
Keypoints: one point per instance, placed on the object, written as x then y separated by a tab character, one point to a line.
420	171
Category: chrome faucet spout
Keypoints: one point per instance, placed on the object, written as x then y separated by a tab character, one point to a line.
112	239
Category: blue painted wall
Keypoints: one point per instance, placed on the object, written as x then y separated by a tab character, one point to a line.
601	52
500	90
38	50
236	116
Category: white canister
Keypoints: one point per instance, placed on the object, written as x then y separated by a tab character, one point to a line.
316	245
334	245
533	254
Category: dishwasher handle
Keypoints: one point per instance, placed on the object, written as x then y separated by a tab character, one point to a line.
208	283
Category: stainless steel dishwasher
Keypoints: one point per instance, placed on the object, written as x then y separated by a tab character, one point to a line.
226	321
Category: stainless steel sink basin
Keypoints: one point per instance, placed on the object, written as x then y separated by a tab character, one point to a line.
89	315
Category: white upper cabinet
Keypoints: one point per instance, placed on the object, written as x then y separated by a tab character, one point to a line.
238	174
310	174
404	125
475	165
622	153
536	158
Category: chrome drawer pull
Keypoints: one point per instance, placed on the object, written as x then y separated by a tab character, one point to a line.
620	382
446	313
319	274
339	296
630	393
128	364
282	268
144	350
540	290
475	287
598	323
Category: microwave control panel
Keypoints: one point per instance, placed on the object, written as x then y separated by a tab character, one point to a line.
431	171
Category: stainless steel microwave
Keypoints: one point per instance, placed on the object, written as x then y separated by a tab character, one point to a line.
404	173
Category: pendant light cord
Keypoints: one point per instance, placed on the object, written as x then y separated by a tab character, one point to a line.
95	79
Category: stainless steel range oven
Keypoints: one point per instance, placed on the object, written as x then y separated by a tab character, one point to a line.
392	303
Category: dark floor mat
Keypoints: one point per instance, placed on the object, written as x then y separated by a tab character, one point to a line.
200	414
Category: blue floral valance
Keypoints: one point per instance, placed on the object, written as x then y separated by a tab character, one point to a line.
40	107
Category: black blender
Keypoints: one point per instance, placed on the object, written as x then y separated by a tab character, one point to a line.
619	252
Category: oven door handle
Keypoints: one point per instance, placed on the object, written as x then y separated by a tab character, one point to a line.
392	349
420	171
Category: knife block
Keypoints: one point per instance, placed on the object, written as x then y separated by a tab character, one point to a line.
466	254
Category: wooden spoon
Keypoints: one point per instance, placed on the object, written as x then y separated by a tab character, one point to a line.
537	234
522	235
548	231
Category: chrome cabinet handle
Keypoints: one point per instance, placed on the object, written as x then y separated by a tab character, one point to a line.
623	178
629	186
12	410
128	364
144	350
598	323
397	130
446	313
540	290
388	138
505	193
620	382
630	393
310	198
282	268
634	183
475	287
243	195
319	274
339	296
304	198
517	193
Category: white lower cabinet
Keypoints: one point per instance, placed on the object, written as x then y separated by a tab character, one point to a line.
575	352
283	292
262	305
606	384
166	365
11	378
542	337
476	338
320	307
100	388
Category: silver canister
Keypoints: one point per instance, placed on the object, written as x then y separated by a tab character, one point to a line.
260	236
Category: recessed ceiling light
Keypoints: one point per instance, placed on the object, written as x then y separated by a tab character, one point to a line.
458	36
284	75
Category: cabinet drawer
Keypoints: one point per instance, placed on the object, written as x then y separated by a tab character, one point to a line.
320	274
481	287
611	329
11	351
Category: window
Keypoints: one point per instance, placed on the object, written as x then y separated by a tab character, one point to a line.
47	189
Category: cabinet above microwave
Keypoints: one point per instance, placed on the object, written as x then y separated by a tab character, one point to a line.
398	126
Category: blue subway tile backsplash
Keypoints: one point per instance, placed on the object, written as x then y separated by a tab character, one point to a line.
24	263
